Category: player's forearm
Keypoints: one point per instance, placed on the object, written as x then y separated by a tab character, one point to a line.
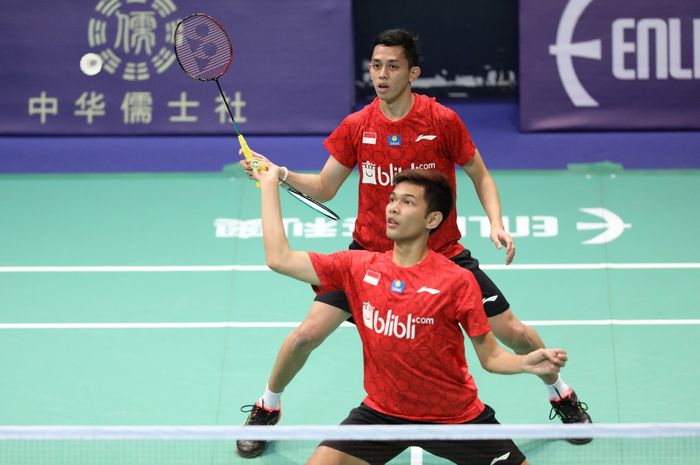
494	358
504	363
310	184
487	191
275	240
278	254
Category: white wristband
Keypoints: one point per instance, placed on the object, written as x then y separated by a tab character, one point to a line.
284	176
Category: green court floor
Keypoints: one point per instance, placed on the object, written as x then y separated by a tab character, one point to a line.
144	300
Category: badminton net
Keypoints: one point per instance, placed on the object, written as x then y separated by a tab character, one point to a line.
613	444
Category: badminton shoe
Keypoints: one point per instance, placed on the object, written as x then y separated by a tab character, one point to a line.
570	410
259	415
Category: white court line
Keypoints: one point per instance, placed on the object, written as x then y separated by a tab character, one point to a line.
131	269
294	324
416	455
228	268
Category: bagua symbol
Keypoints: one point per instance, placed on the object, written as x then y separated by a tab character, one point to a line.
564	51
128	36
613	226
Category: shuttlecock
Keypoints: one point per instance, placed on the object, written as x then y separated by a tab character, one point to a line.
91	64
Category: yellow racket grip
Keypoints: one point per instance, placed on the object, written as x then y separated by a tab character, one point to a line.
255	164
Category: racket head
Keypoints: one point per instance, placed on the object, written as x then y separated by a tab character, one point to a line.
202	47
308	201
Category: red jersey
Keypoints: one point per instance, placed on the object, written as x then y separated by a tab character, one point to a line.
430	136
409	322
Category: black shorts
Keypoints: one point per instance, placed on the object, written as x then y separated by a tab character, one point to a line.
475	452
495	302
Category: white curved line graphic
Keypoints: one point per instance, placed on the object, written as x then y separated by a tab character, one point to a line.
613	226
564	50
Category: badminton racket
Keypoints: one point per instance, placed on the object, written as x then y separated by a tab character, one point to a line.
204	51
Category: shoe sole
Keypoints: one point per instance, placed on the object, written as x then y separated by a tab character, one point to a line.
250	455
579	442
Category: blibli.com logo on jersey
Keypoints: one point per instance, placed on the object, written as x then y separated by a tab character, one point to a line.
391	325
373	174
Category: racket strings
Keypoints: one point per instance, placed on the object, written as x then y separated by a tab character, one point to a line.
202	47
204	52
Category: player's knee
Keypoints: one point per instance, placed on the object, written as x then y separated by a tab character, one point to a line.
305	340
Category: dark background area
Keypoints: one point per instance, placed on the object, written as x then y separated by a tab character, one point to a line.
480	36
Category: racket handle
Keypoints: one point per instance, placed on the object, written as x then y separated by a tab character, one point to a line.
249	155
244	146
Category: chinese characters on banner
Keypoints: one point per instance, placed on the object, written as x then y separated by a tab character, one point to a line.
272	86
135	108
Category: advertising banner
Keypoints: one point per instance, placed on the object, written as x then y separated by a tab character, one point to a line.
291	72
595	64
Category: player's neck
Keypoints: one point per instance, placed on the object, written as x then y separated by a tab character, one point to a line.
410	252
399	107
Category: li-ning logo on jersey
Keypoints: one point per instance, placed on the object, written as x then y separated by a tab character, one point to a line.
429	290
501	458
373	174
392	325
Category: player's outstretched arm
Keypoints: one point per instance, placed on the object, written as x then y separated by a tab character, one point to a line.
279	256
495	359
321	187
487	191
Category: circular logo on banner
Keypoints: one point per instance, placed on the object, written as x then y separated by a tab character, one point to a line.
133	39
565	49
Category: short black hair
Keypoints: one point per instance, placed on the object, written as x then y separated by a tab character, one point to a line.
437	191
401	38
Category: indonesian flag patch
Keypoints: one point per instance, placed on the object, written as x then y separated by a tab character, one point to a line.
372	277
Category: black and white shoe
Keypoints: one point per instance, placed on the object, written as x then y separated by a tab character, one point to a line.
571	410
259	415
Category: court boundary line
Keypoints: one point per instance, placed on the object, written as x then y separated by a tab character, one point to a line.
229	268
294	324
354	432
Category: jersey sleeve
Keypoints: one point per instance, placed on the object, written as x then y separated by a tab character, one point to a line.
340	144
470	309
460	144
332	270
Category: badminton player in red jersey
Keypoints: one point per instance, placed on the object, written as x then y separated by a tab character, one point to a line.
401	130
410	305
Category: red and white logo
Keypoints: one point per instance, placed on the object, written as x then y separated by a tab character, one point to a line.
372	277
369	138
429	290
392	325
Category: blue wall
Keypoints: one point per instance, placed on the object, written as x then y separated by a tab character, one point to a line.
493	126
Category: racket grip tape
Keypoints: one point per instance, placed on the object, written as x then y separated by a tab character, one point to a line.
244	146
248	154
